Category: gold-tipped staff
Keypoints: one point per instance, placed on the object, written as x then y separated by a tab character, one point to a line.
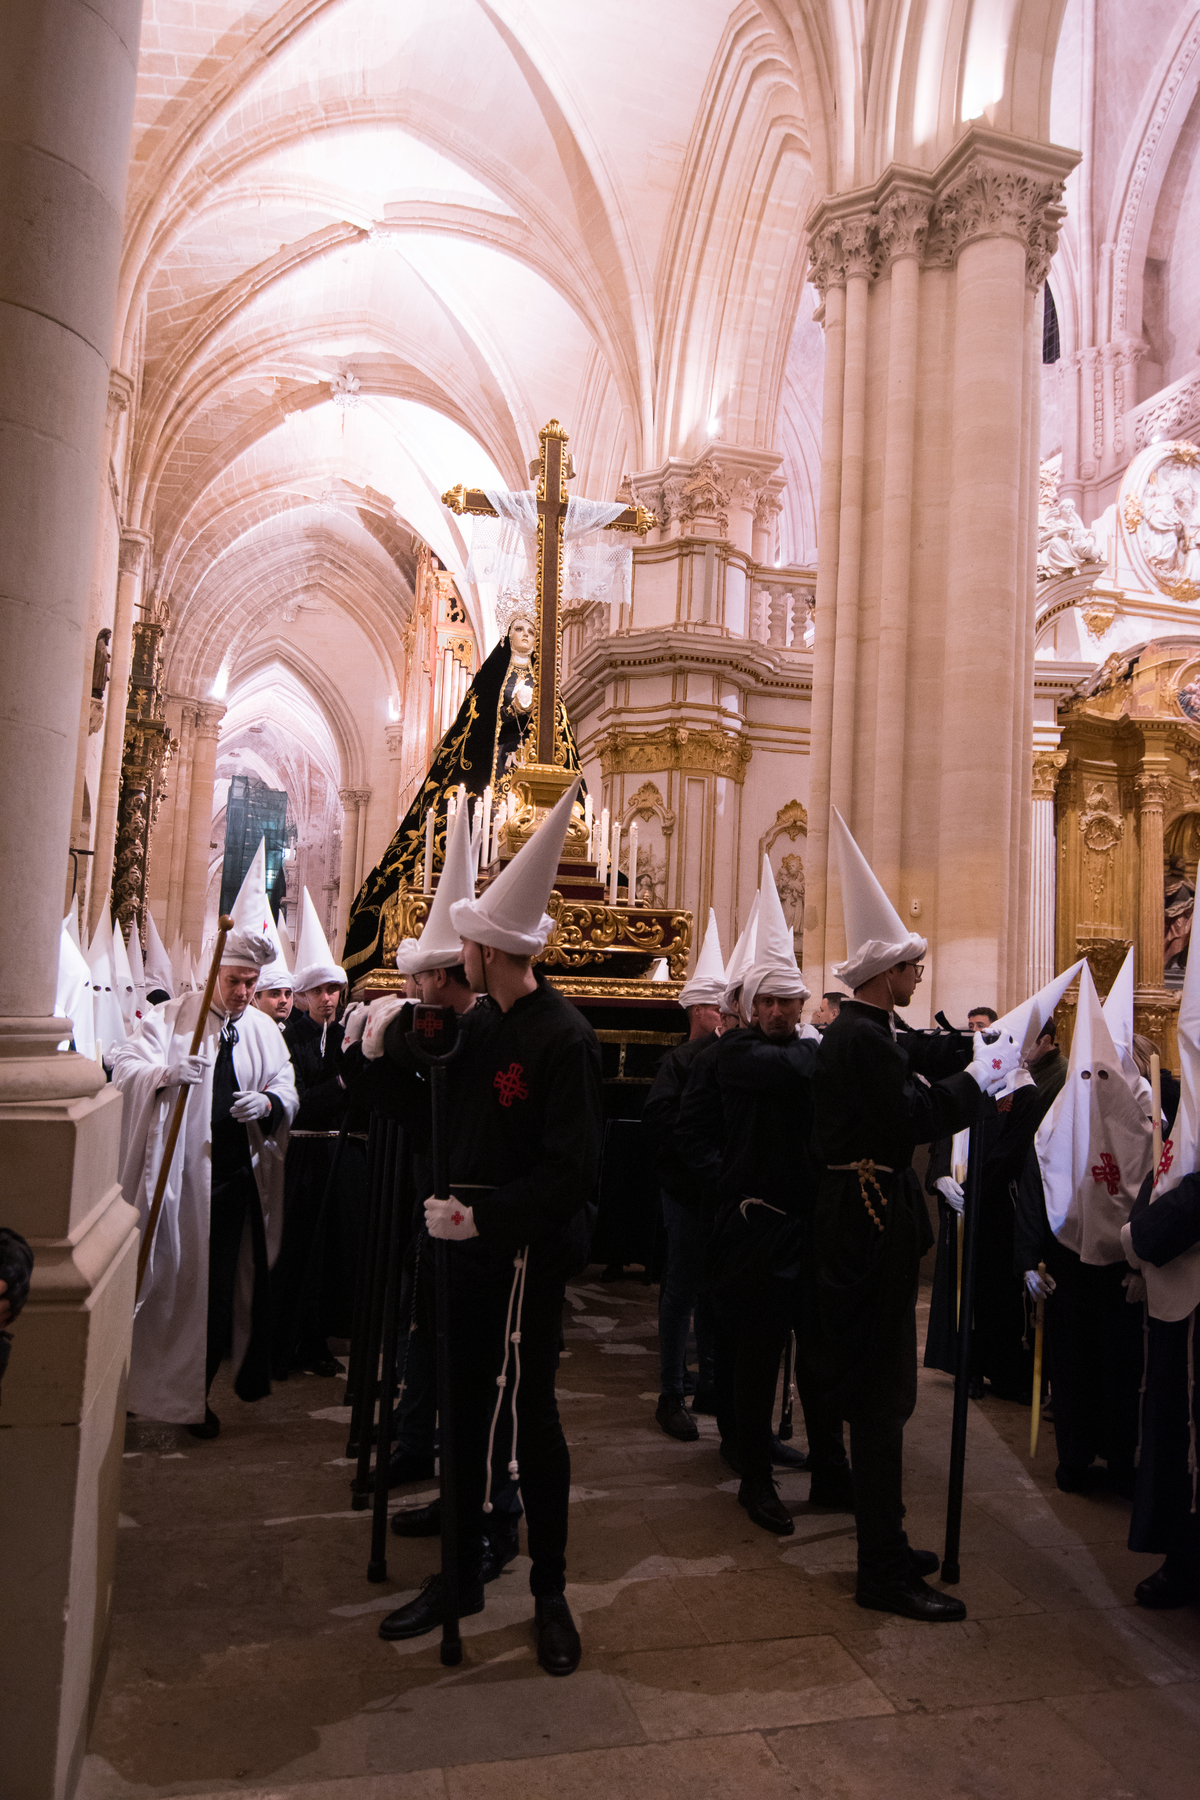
224	927
1039	1331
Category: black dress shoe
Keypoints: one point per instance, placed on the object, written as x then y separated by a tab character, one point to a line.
211	1427
418	1521
784	1457
613	1272
1168	1588
729	1455
425	1613
833	1488
912	1599
315	1359
1074	1478
404	1466
923	1562
498	1552
761	1500
558	1646
975	1387
676	1420
279	1372
704	1400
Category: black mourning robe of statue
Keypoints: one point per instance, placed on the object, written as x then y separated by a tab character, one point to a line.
477	752
999	1351
878	1093
1165	1517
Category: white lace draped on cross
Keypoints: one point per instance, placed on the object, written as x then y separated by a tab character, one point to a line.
597	564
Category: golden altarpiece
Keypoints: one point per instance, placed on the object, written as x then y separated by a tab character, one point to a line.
1125	777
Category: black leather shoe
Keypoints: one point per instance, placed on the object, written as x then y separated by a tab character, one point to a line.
404	1466
1073	1478
211	1427
761	1500
425	1612
676	1420
1167	1589
704	1400
498	1552
833	1488
784	1457
912	1599
729	1455
418	1521
558	1646
315	1359
612	1272
923	1562
975	1388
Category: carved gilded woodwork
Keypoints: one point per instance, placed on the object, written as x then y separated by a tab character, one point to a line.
712	750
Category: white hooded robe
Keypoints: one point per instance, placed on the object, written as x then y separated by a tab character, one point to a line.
170	1328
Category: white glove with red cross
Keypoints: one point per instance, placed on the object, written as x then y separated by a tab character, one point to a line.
449	1219
994	1062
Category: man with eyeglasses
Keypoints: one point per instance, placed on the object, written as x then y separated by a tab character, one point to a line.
877	1094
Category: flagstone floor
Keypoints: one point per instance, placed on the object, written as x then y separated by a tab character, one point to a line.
718	1661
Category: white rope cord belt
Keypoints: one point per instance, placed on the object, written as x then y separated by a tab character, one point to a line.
753	1200
866	1168
314	1134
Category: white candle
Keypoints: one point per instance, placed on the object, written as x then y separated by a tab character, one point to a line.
428	850
587	820
633	842
486	835
602	852
614	862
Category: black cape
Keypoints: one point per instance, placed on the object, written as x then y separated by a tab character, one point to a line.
1165	1518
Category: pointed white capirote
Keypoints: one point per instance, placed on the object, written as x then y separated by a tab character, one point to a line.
772	971
1093	1147
108	1019
706	984
511	914
73	992
159	976
314	959
1027	1021
253	942
123	985
876	936
439	945
739	962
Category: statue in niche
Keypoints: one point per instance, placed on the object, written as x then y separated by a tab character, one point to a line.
790	883
101	663
1065	544
1188	697
1179	903
1169	530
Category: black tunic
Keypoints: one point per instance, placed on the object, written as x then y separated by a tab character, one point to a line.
1165	1518
660	1116
700	1125
998	1327
878	1094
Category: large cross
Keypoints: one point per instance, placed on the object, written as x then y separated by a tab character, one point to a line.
552	500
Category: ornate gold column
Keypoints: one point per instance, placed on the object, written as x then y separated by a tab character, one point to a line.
132	567
1152	793
209	714
1047	765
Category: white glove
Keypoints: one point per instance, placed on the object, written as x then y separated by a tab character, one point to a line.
249	1104
449	1219
354	1023
1135	1288
186	1071
1040	1286
951	1192
1020	1078
380	1014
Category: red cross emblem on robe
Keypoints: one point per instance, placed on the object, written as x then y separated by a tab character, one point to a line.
1106	1174
509	1085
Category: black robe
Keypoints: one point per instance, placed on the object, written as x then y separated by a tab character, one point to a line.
700	1124
660	1116
1093	1339
999	1350
878	1094
1165	1519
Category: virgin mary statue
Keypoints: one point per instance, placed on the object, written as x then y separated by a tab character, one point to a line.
480	750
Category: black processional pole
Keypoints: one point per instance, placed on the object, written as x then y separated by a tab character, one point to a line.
958	1430
434	1042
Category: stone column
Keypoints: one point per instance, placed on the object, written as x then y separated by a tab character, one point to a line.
1043	885
67	81
1151	789
360	855
209	714
131	574
347	887
394	735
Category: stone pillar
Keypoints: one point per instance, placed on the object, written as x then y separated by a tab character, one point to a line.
131	574
1043	885
363	800
394	735
67	82
347	887
1151	786
209	714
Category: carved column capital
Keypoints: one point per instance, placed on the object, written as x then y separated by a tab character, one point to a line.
1153	791
354	796
1047	766
903	224
827	266
394	736
133	552
993	195
209	714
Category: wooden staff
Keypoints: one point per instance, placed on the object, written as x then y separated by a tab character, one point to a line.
1039	1332
224	927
